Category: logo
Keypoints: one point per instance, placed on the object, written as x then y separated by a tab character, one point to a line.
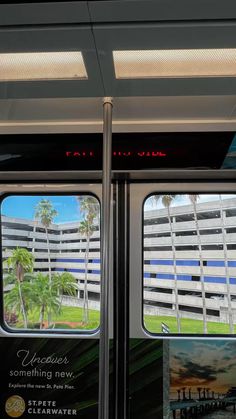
15	406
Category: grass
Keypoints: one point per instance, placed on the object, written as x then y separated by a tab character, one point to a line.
153	325
68	315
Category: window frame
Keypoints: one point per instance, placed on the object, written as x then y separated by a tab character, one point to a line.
49	189
138	195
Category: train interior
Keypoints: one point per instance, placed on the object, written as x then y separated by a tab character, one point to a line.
118	209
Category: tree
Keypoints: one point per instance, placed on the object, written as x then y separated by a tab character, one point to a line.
167	200
13	302
194	199
44	296
45	212
64	283
86	228
21	261
89	207
231	321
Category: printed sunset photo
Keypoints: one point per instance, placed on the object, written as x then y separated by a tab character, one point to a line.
202	379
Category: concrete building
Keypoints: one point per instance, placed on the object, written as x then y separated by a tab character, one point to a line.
67	248
67	251
218	260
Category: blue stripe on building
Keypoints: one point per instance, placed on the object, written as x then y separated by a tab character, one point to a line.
210	279
77	260
161	262
187	262
232	263
165	276
71	260
82	271
215	279
215	263
184	277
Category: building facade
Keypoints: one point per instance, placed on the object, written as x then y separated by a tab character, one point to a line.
198	255
67	252
190	251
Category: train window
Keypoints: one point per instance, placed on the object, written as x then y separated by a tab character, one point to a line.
50	262
189	266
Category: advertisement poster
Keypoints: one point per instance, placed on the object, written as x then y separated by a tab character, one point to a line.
49	378
203	379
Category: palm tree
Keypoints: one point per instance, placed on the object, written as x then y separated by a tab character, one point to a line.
13	302
64	283
21	261
86	228
44	296
167	200
90	208
89	205
231	321
45	212
194	199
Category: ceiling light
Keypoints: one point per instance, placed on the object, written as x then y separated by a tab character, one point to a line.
42	66
143	64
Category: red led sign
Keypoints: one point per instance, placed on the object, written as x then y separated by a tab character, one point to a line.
90	153
79	154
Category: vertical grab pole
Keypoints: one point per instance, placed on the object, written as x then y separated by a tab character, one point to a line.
105	265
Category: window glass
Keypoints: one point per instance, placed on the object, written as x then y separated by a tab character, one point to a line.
189	264
51	262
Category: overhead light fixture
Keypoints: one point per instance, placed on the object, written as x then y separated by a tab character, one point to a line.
146	64
42	66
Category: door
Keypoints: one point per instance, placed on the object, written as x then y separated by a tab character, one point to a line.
181	297
50	318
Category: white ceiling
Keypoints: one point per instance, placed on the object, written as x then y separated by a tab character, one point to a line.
129	114
99	27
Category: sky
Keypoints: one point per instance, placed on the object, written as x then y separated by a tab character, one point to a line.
198	363
24	207
20	206
183	200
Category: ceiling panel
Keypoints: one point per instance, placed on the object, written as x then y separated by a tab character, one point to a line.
140	108
97	11
97	40
73	38
174	108
163	36
84	110
138	114
44	13
159	10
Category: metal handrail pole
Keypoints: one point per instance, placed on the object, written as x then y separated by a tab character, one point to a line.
105	261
